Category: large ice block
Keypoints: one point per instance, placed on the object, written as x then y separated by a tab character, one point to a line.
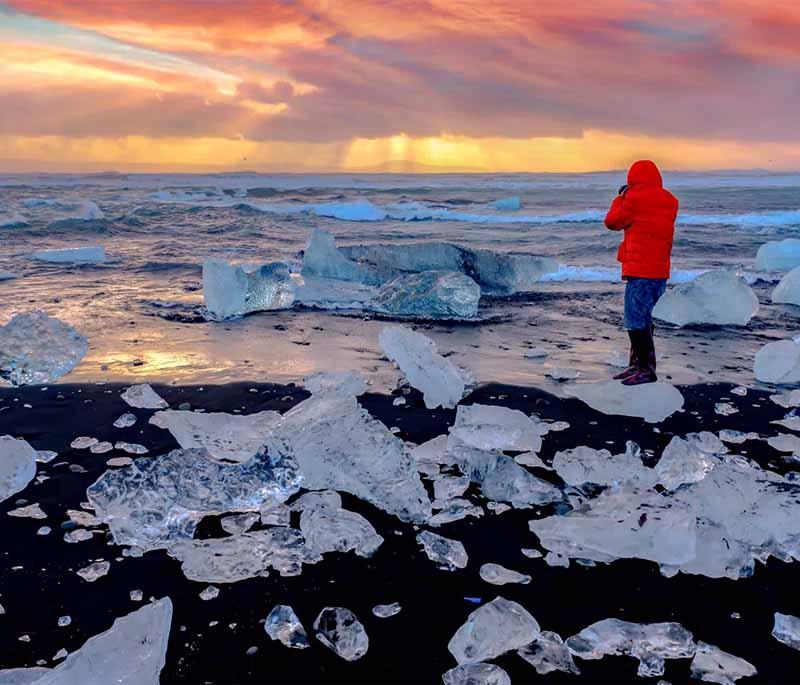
778	255
778	362
429	295
230	291
322	259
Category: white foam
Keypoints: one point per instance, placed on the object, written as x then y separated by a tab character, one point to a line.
772	218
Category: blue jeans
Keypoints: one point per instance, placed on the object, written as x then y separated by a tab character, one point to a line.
641	295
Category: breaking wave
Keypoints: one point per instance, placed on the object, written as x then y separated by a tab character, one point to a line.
771	218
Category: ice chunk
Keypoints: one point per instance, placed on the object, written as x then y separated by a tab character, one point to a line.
713	665
715	297
476	674
209	593
348	382
447	487
236	524
488	427
429	455
618	524
429	295
441	382
322	259
329	293
582	465
340	631
338	530
101	447
778	255
36	348
83	442
283	625
133	650
563	373
531	459
548	653
249	555
73	255
339	446
387	610
778	362
94	571
446	553
787	630
500	575
231	437
32	511
130	448
788	290
278	515
125	421
653	402
493	629
231	291
651	643
508	204
314	500
785	442
158	500
17	465
684	461
143	397
454	510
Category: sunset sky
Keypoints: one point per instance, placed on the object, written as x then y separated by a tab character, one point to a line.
418	85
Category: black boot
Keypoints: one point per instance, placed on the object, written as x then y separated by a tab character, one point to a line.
645	358
633	362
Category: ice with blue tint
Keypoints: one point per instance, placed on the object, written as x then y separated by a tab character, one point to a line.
94	254
778	255
230	291
429	294
17	465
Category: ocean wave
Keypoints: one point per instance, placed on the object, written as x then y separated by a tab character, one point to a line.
771	218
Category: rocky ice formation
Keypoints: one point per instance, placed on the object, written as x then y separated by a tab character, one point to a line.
441	382
788	290
778	362
36	348
283	625
143	397
229	437
447	554
715	297
476	674
17	465
429	295
340	631
495	574
653	402
493	629
157	501
585	465
787	630
132	650
778	255
488	427
548	653
231	291
73	255
328	529
713	665
650	643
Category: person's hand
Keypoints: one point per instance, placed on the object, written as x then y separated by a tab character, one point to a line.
622	189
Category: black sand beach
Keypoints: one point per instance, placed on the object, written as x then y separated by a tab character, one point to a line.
38	583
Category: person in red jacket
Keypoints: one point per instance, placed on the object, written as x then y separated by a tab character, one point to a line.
646	213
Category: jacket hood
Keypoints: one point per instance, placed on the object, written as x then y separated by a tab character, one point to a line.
644	172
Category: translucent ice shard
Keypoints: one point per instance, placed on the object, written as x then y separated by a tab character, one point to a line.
653	402
686	461
548	653
713	665
283	625
231	291
338	530
453	510
493	629
17	465
778	255
476	674
446	553
448	487
585	465
787	630
348	382
73	255
619	524
230	437
386	610
249	555
651	643
489	427
236	524
125	420
778	362
441	382
500	575
143	397
36	348
429	295
715	297
94	571
340	631
339	446
158	500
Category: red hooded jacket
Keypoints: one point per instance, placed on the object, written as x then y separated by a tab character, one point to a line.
646	212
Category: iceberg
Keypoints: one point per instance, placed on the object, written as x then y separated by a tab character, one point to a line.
476	674
441	382
17	465
548	653
158	500
283	625
132	650
715	297
447	554
429	295
231	291
226	437
143	397
651	643
778	255
652	402
491	630
713	665
778	362
788	290
495	574
340	631
489	427
36	348
72	255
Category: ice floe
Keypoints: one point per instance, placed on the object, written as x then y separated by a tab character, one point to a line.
716	297
653	402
